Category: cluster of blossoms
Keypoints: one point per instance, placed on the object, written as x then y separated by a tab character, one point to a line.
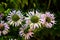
33	21
36	20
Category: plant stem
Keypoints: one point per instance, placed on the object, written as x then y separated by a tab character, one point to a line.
49	4
36	38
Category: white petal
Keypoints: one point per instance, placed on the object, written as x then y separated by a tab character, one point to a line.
14	11
48	25
15	24
36	26
53	22
9	19
11	14
42	21
8	16
4	32
48	14
28	21
31	13
27	36
38	14
30	34
31	26
11	22
21	33
43	16
27	18
19	22
0	33
6	26
52	16
39	23
18	12
2	22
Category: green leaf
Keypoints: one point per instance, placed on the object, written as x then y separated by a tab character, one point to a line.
4	4
1	8
6	12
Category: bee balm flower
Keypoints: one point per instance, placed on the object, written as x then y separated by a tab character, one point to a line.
47	20
26	33
15	18
4	28
33	20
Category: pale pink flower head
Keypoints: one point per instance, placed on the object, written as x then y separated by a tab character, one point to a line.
33	19
15	18
26	33
47	19
4	28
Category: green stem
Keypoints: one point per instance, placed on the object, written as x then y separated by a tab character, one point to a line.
36	38
49	4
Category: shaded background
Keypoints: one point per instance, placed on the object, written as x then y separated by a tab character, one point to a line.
42	6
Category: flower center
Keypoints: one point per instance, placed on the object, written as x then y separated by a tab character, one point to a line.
48	19
1	27
15	17
34	19
26	30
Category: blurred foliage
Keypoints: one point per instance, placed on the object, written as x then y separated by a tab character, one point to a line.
17	4
43	5
30	4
